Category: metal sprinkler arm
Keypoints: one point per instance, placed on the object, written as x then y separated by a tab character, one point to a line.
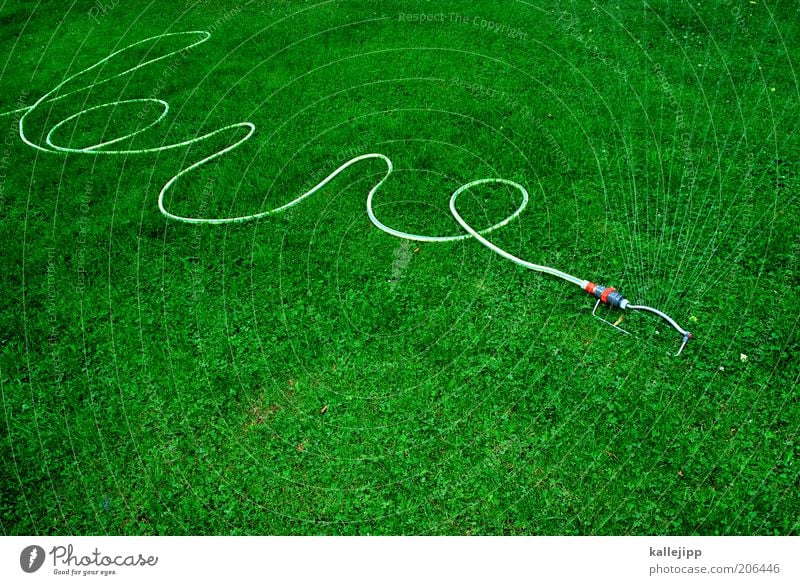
611	297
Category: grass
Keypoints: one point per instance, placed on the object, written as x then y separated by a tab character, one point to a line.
309	374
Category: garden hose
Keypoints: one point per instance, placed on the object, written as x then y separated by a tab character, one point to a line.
607	295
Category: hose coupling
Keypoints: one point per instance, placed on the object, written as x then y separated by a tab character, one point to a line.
607	295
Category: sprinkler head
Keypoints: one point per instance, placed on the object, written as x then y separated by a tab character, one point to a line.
686	337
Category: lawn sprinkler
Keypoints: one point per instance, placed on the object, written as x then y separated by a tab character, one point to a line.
612	298
604	294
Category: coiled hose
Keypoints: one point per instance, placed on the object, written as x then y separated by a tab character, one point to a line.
603	294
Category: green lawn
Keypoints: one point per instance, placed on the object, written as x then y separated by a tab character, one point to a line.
308	373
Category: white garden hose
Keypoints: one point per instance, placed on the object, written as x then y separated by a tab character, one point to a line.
603	294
